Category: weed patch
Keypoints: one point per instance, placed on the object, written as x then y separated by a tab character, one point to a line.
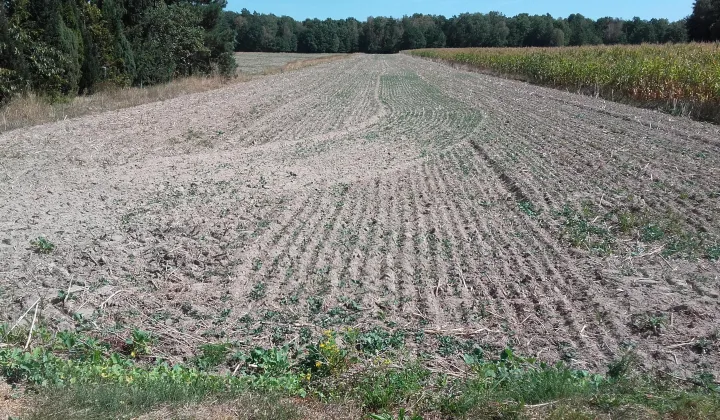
91	380
605	232
528	208
581	232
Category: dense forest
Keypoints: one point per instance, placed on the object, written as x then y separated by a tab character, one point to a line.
261	32
67	47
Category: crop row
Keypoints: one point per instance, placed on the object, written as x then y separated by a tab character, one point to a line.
680	78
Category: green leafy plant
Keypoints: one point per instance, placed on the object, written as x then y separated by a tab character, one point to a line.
315	304
212	356
327	357
378	340
651	233
259	290
139	343
273	362
582	233
652	322
528	208
620	368
94	381
713	252
42	245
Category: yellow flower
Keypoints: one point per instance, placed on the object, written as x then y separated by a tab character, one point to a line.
318	364
322	345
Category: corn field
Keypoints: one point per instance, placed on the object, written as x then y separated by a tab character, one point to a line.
681	78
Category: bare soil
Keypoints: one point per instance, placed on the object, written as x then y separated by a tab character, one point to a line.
258	62
11	402
457	209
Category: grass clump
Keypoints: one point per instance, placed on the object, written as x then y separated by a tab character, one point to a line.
504	386
582	232
90	402
384	388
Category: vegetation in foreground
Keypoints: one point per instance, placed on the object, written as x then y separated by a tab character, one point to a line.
72	375
682	79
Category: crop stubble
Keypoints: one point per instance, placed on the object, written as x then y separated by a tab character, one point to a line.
373	191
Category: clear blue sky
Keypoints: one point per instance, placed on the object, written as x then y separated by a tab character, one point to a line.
340	9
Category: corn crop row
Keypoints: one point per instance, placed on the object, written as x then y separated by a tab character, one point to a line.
651	75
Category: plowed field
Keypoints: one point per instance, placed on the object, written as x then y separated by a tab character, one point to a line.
440	209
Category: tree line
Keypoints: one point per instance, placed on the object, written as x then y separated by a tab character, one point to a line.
270	33
67	47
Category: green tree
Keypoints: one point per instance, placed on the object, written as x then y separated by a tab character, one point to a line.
640	31
413	36
13	67
90	70
118	57
704	22
519	30
612	30
286	36
544	33
677	32
217	54
39	33
169	42
582	31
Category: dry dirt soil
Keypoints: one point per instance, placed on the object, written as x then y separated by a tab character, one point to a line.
454	210
253	63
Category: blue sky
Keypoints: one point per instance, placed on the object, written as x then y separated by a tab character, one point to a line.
340	9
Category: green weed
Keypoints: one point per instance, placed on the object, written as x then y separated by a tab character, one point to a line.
378	340
128	401
327	357
88	379
386	387
212	356
42	245
651	233
583	233
139	343
713	252
258	291
652	322
528	208
315	304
